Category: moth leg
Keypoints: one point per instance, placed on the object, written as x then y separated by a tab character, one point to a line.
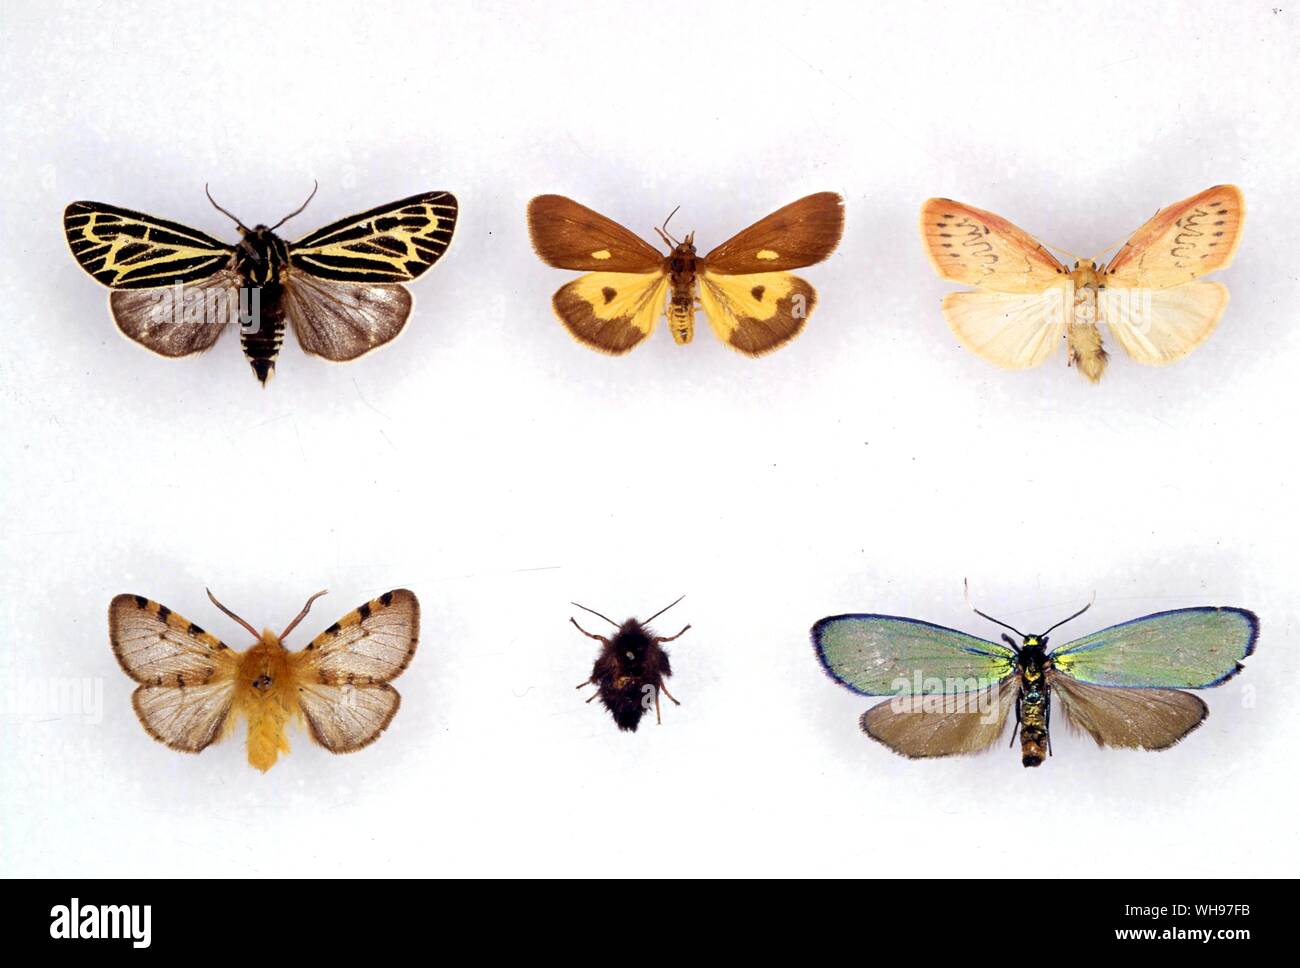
1016	731
659	719
585	682
590	635
673	637
593	695
664	690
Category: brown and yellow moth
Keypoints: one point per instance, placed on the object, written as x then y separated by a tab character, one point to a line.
193	687
1026	302
175	289
753	302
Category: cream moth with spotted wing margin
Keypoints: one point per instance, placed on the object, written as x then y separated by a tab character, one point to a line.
1150	296
193	687
752	301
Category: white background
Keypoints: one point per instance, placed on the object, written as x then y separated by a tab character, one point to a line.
500	470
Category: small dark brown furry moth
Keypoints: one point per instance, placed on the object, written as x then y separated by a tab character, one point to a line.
175	289
631	668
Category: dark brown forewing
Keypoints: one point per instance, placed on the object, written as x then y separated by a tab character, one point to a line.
801	234
178	321
571	236
942	725
1151	719
342	320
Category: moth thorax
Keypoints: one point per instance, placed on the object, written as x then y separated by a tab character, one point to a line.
1085	305
632	643
261	256
264	666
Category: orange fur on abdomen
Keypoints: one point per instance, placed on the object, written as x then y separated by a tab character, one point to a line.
267	705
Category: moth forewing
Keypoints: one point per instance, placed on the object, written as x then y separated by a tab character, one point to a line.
130	250
392	243
800	234
568	235
1182	242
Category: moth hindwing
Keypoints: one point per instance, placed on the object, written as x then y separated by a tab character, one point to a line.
174	289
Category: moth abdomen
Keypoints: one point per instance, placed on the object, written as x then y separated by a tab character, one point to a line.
626	701
262	334
681	316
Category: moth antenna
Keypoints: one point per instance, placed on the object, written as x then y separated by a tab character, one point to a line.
229	614
1075	615
596	613
663	231
660	612
298	211
966	589
1097	260
233	219
1057	248
301	615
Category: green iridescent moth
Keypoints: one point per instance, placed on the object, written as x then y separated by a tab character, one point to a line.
176	289
953	693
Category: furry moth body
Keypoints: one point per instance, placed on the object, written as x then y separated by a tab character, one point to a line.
630	670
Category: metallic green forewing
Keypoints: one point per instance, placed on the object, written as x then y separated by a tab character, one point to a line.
1188	648
882	655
